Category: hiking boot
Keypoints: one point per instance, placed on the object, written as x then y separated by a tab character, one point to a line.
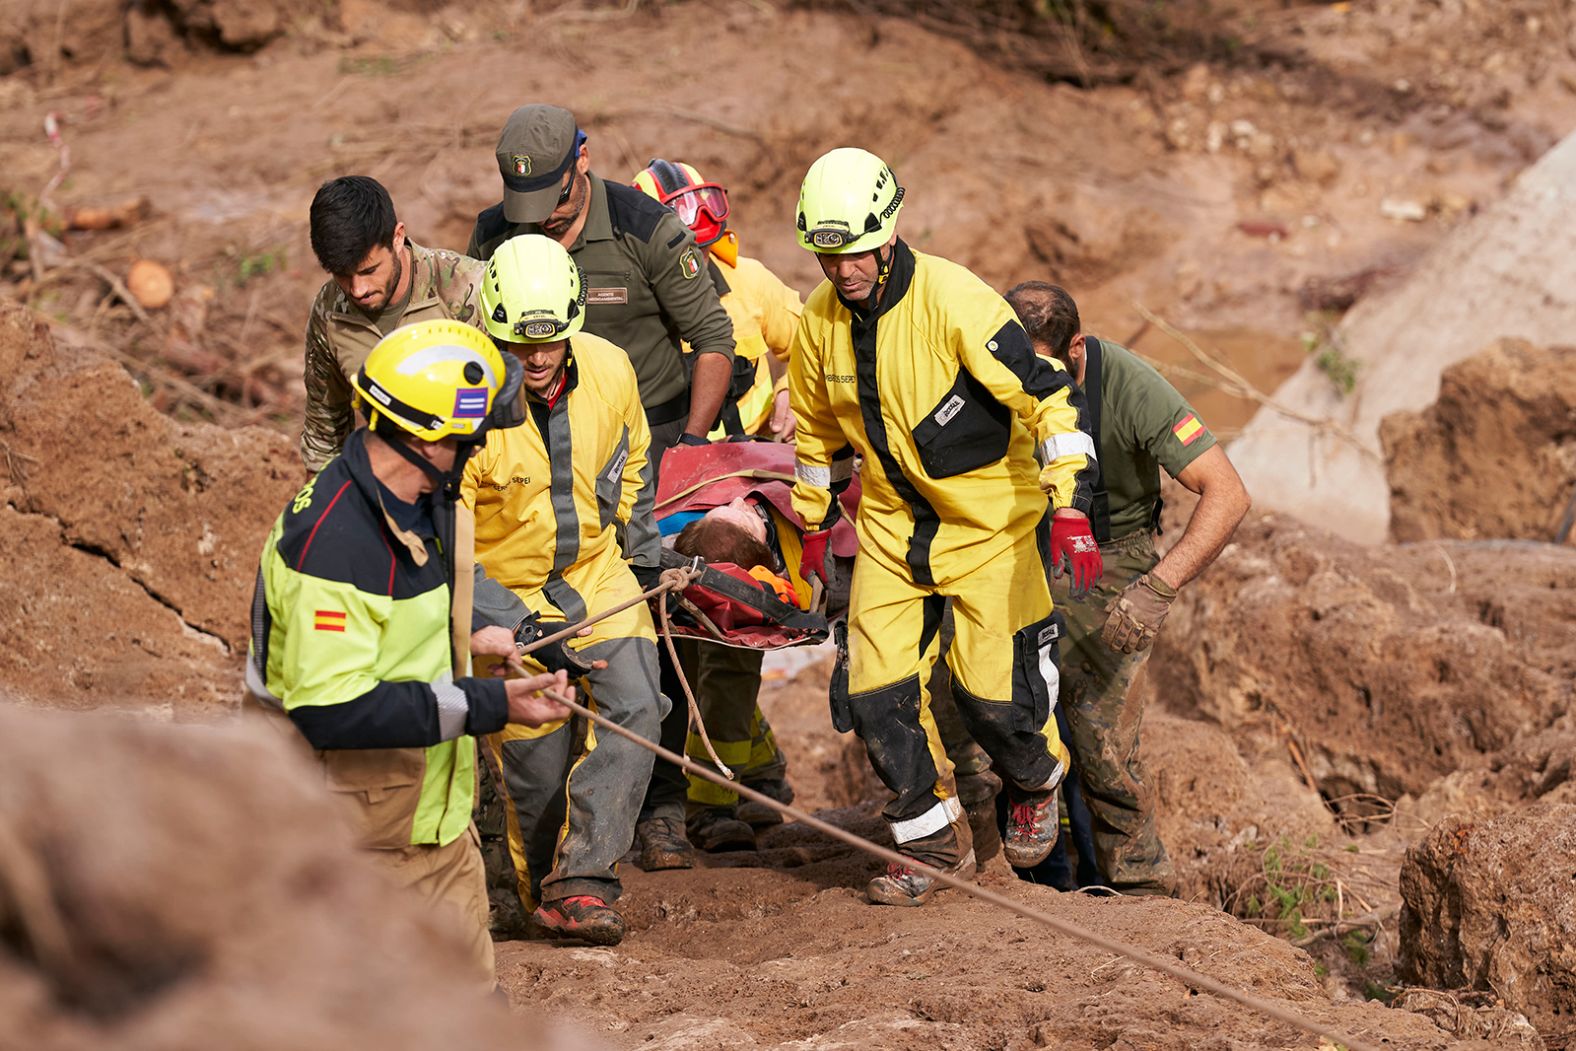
951	850
902	885
662	844
759	815
715	829
580	916
1033	823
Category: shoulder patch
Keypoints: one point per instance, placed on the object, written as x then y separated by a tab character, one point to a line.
689	264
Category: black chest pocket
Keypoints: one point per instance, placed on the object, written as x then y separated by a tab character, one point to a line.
966	429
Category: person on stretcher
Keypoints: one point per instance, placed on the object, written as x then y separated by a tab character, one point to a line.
729	504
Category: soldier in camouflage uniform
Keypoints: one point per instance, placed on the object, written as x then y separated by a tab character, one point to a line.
1141	424
381	280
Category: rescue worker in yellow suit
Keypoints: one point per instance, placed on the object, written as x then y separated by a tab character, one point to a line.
970	443
563	506
727	680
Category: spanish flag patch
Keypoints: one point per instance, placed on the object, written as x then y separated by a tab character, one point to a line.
329	620
1188	429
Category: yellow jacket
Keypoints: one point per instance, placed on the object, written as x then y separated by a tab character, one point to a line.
765	314
563	500
964	430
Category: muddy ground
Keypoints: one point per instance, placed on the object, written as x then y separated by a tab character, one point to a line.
1246	190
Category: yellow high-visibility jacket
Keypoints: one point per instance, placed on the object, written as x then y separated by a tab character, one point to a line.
765	314
563	500
964	430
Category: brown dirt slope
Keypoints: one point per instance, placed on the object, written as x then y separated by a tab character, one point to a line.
1390	667
189	888
135	538
1494	456
792	956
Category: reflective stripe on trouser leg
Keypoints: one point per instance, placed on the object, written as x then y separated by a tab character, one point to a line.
892	629
766	758
603	789
726	682
1003	661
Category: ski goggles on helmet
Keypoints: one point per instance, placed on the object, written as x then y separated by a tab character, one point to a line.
690	201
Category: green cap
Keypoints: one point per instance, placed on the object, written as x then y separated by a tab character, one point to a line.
536	147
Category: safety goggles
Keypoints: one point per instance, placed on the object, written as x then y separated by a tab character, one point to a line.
689	201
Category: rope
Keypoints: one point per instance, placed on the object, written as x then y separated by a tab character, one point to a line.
678	581
674	580
695	721
1071	930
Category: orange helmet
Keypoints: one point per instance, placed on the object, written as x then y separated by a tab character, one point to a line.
702	206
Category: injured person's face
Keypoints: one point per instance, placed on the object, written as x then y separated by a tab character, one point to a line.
738	512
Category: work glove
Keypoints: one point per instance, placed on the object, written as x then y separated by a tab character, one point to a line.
555	656
812	561
692	439
1075	551
1136	614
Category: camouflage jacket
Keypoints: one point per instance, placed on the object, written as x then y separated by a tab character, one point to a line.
339	336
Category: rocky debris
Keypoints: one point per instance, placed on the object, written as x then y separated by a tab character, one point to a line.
189	888
1457	1014
1387	668
1494	456
1490	905
1506	272
181	510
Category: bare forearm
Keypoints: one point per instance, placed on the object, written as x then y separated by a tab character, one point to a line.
708	388
1215	519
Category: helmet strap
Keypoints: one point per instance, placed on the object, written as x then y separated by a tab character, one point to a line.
446	482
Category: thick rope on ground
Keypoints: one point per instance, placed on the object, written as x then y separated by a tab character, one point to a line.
1182	974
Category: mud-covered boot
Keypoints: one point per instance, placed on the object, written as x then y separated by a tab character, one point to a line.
1033	823
759	815
660	839
716	829
951	850
580	916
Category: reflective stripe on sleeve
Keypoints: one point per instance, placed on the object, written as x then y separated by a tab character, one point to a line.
453	708
929	823
1070	444
809	474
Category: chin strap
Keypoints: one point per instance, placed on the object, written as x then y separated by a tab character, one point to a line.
447	483
884	263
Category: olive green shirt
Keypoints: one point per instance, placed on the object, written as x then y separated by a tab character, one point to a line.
1145	424
340	335
649	287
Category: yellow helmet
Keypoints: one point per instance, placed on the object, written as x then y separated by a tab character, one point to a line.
533	291
438	378
848	202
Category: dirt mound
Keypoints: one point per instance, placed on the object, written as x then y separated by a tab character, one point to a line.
1494	456
1387	668
1490	906
136	537
736	958
183	887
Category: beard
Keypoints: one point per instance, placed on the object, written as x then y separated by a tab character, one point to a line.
556	226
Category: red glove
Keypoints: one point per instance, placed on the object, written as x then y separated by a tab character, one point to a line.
813	559
1075	551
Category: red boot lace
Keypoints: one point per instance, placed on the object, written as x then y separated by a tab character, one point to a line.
1021	816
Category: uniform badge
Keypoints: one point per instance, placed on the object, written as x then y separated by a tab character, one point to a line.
689	264
522	163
